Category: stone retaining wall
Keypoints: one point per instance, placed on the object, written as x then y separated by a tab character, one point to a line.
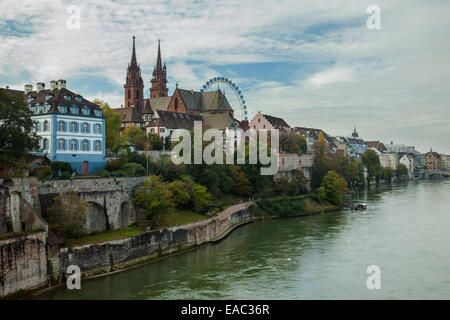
23	263
112	255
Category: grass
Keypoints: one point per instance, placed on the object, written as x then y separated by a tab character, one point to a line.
106	236
175	218
12	235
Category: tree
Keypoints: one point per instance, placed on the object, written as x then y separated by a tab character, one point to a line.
298	182
293	142
154	196
135	136
388	173
179	194
67	215
17	134
372	162
402	170
242	185
322	163
332	188
112	125
154	142
202	198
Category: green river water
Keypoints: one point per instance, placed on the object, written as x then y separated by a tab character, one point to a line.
405	231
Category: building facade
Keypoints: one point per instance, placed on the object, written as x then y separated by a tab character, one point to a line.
433	161
72	129
264	121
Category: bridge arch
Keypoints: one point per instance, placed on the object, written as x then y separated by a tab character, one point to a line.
97	219
125	213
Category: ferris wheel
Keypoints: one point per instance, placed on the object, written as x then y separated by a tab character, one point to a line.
234	88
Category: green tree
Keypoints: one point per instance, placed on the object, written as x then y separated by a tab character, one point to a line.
322	163
154	142
388	173
372	162
17	134
179	194
332	188
112	124
402	170
293	142
67	215
242	185
154	196
202	198
135	136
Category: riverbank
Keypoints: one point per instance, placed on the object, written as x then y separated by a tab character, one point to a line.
110	257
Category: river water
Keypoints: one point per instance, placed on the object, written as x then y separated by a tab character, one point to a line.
405	232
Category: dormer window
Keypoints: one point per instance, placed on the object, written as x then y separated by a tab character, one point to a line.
48	96
30	98
46	107
67	97
98	113
74	109
78	98
86	111
62	109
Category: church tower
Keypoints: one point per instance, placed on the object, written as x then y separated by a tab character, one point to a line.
159	81
134	85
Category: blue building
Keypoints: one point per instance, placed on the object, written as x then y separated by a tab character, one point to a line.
72	128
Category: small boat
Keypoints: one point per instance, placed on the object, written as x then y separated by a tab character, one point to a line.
359	206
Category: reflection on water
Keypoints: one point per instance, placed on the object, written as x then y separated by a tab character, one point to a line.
404	231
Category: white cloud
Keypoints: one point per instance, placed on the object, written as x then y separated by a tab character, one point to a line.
331	76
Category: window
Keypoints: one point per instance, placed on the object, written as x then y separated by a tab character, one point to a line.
137	94
73	144
97	128
85	127
152	130
46	107
61	144
61	126
67	97
86	111
98	113
78	98
38	126
73	127
85	145
98	146
162	130
74	109
45	144
129	94
176	104
46	125
62	109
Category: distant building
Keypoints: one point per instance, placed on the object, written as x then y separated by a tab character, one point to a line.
408	161
72	129
311	135
388	160
377	145
265	121
445	162
166	122
391	147
433	161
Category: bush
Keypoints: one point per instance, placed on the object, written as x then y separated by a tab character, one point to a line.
42	171
66	175
134	170
67	215
58	166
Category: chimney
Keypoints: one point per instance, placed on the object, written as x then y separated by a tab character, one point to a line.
61	83
53	85
40	86
28	88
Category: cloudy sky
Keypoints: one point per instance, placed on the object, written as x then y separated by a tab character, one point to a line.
314	63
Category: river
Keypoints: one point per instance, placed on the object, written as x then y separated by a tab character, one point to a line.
405	232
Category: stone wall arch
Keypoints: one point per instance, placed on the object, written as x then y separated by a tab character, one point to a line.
97	219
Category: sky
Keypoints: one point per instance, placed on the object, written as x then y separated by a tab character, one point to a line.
313	63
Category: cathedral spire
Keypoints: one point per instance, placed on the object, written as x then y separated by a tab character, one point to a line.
133	54
159	81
